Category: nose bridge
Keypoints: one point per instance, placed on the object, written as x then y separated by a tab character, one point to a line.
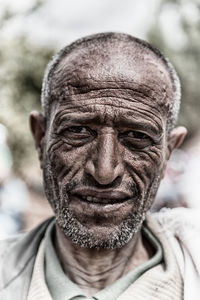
107	150
106	164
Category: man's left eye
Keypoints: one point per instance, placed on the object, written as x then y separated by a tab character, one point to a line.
77	135
135	139
136	135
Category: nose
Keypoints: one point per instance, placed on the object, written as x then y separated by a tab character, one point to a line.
105	164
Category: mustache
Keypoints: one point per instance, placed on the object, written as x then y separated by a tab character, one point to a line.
130	187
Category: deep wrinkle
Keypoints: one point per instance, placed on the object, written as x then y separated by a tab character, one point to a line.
117	151
124	122
98	269
108	115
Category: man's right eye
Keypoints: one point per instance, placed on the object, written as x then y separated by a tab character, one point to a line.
78	132
77	129
77	135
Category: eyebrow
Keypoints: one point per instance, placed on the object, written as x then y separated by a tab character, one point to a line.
87	118
83	118
153	128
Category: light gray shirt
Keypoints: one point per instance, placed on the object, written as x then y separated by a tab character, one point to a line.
62	288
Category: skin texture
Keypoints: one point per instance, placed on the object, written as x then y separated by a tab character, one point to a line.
106	138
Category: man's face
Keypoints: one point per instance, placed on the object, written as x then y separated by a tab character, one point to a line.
105	146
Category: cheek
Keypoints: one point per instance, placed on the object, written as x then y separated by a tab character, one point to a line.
65	159
144	166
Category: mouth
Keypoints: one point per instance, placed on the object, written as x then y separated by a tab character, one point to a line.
100	201
101	197
92	207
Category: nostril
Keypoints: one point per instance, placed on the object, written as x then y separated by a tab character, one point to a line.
103	173
91	181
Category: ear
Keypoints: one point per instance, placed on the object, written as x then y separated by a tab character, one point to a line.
37	127
175	139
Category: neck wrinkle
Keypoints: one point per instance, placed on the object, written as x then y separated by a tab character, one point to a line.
94	269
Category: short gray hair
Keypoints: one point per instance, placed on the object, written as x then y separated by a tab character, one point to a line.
46	99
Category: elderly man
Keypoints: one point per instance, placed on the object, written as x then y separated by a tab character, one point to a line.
110	103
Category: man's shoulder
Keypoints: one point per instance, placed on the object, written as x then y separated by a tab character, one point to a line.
182	229
180	223
181	226
179	220
6	244
23	238
17	256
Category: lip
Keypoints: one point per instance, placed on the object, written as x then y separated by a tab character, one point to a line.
108	197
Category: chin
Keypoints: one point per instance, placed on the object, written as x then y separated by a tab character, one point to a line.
99	236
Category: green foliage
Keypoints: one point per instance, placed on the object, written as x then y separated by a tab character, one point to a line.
22	68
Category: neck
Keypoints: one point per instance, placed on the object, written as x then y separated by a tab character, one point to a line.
94	269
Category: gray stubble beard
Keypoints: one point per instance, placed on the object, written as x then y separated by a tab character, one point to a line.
85	237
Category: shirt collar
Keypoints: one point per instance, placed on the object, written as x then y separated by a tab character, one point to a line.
62	288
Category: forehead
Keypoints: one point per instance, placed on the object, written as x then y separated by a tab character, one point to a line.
114	71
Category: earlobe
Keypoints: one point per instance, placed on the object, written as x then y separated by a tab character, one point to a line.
37	127
175	139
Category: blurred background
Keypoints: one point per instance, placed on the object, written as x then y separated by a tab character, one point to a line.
31	32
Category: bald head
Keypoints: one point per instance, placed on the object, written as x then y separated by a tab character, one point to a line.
102	57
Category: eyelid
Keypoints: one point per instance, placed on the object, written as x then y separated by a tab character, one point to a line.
87	132
156	139
70	128
66	127
137	132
